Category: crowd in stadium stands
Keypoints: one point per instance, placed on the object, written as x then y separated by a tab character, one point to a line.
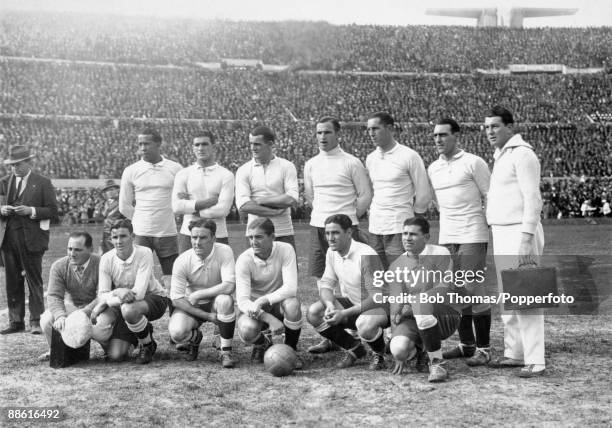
110	103
314	45
189	93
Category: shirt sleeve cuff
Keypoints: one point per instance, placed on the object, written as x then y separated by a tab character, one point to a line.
33	216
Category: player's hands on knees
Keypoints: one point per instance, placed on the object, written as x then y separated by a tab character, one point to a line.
100	307
212	317
399	367
59	323
276	326
125	295
335	317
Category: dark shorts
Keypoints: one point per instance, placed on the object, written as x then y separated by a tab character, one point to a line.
157	308
388	247
448	321
470	258
163	246
319	246
206	307
289	239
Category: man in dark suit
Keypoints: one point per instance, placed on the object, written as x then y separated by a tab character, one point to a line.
27	204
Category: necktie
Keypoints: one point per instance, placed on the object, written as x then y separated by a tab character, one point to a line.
19	181
79	270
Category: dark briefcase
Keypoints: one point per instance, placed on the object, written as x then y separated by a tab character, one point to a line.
530	280
63	355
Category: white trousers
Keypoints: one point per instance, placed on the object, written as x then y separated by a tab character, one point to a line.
524	329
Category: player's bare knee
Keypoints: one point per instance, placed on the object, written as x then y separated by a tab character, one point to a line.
248	328
102	330
315	313
130	312
292	309
178	332
401	347
224	304
367	327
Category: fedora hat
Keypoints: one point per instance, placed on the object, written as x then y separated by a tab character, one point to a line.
18	154
109	185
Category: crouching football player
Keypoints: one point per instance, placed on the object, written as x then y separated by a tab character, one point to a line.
350	266
203	280
129	297
419	328
266	290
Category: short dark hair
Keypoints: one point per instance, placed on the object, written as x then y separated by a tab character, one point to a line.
124	223
504	113
455	128
262	223
267	133
330	119
341	220
83	234
206	223
384	118
206	134
418	221
156	137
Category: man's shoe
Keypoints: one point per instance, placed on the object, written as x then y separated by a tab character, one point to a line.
530	371
227	361
437	372
505	362
459	351
46	356
378	362
146	352
480	358
193	347
350	356
35	328
257	355
323	347
422	360
14	327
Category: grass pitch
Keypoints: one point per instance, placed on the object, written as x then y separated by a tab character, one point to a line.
172	392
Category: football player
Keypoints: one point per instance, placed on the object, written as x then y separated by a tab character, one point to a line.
266	290
129	297
349	269
203	281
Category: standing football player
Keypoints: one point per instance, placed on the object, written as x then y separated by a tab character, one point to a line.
267	186
203	190
401	187
513	211
461	181
145	198
335	182
266	290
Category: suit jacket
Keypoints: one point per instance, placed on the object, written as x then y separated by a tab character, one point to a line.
38	193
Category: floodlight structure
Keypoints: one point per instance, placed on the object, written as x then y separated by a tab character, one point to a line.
501	16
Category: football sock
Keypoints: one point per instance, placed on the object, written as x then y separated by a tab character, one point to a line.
226	330
338	336
482	325
292	332
142	330
378	343
466	334
432	338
